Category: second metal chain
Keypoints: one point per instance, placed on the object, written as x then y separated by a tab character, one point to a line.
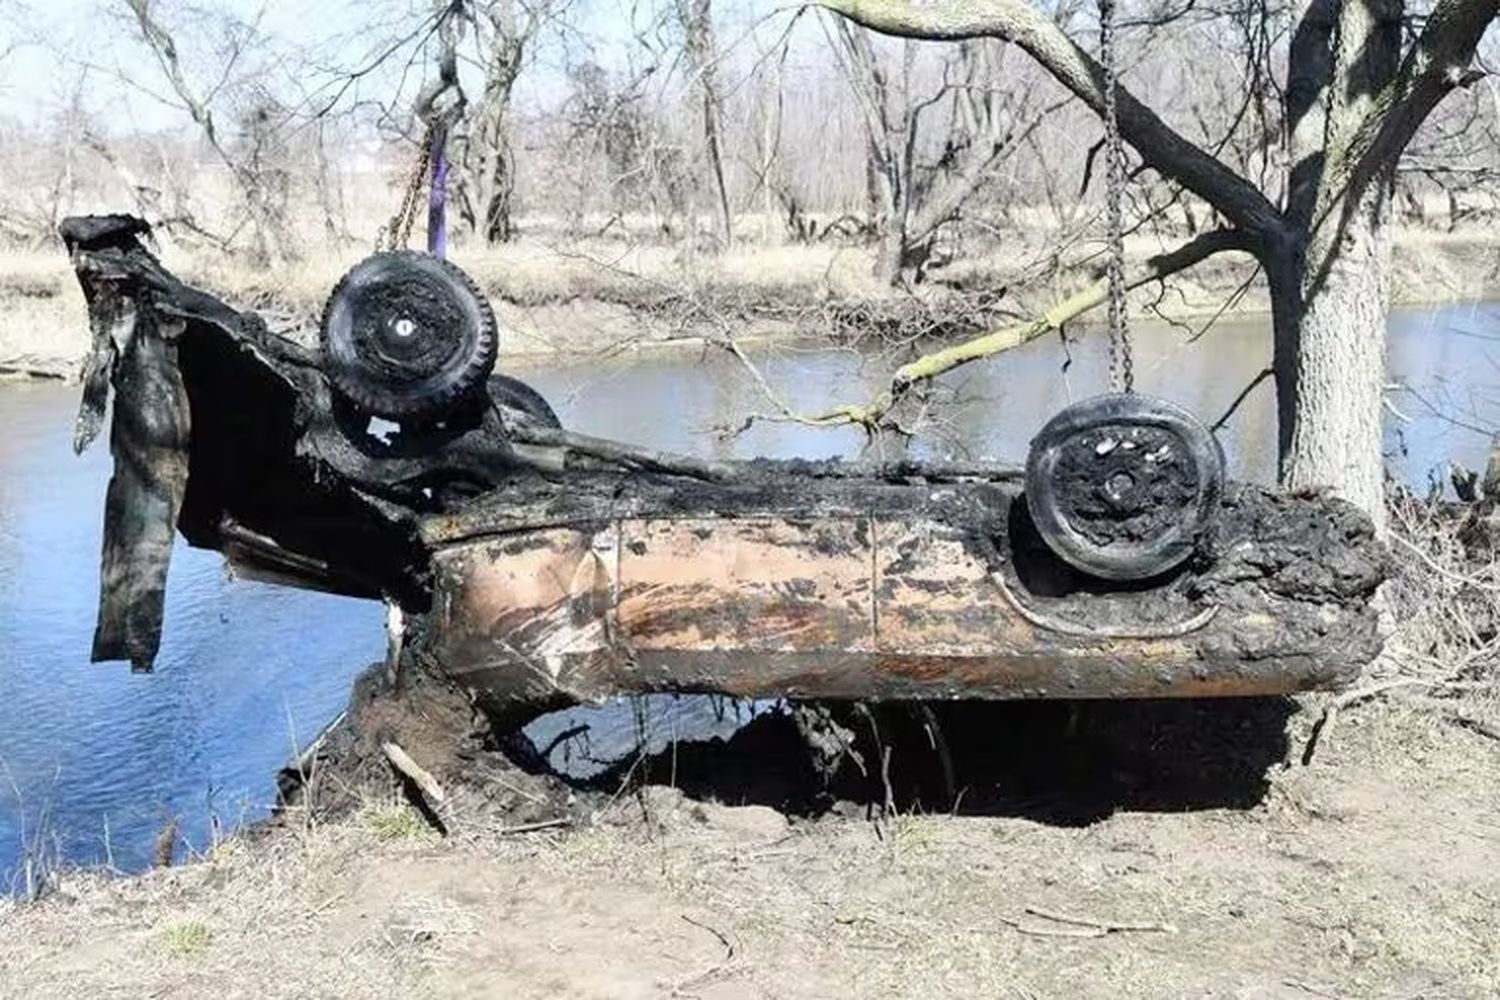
397	233
1121	361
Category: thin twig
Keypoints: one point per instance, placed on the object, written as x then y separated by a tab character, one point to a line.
728	947
545	824
1472	724
1244	393
1062	932
714	970
1108	926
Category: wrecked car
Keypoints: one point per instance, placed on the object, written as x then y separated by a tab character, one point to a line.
537	567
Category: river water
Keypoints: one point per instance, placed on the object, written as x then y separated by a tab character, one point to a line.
93	758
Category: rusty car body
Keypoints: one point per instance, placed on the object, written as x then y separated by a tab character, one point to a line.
537	566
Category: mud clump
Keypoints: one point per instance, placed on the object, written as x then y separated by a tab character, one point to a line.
484	776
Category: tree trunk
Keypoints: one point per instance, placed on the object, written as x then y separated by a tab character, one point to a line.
697	26
1335	440
489	175
1283	267
330	191
901	257
498	227
716	162
874	202
270	238
1336	434
889	256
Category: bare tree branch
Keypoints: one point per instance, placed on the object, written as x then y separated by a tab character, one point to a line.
1161	266
1157	143
1439	62
873	416
271	235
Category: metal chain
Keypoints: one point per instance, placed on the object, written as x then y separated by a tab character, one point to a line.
397	233
1121	359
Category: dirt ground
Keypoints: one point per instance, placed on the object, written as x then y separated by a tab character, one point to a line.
1372	872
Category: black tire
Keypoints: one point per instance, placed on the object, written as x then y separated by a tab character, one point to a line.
517	395
407	336
1122	486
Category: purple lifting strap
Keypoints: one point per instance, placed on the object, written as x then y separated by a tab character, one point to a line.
437	196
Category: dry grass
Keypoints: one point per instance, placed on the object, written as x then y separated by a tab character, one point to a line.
563	294
395	821
1368	874
43	325
1446	592
1441	659
1444	597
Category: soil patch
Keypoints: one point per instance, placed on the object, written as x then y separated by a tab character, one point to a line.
1368	874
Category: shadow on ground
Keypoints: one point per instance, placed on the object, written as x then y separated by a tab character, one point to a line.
1064	763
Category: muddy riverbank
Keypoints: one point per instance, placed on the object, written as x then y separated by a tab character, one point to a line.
205	744
555	305
1368	874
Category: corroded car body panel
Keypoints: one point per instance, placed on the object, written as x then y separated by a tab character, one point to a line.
840	607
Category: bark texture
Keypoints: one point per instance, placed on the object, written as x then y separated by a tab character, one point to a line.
487	148
1340	365
489	160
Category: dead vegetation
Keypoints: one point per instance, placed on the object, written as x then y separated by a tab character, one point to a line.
611	295
1368	874
1443	654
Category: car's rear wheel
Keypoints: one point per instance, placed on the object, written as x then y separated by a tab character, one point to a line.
1122	486
517	395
